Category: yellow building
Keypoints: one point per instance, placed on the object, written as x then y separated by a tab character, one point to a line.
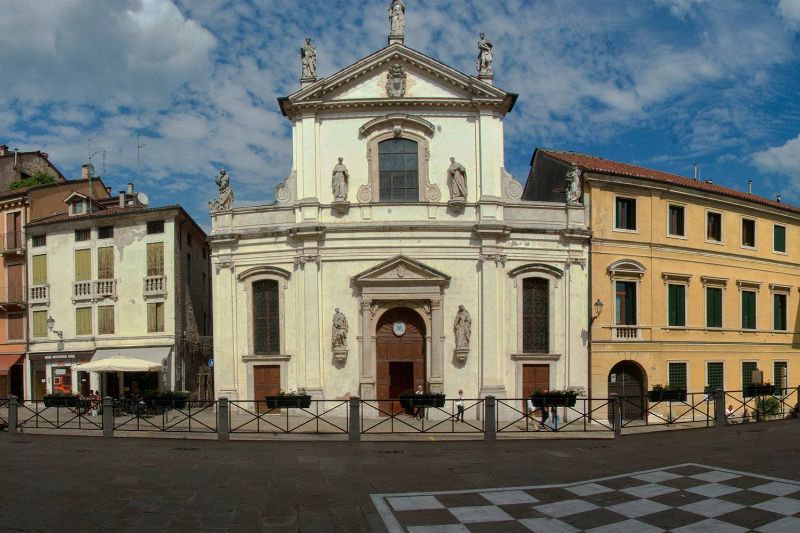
692	284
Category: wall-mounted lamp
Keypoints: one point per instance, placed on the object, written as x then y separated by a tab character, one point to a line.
51	323
598	309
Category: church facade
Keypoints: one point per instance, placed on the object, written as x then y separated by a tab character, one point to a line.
398	251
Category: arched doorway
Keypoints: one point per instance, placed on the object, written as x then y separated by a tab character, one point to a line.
628	380
400	357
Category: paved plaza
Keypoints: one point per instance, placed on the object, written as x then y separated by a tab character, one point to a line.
135	484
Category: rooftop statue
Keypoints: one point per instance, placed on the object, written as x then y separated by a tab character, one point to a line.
308	58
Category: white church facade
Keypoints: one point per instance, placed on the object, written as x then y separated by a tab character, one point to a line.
398	251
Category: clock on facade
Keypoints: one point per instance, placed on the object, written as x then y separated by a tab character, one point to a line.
399	328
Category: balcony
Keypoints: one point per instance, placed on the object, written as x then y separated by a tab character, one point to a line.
13	296
91	290
627	332
155	286
12	243
40	295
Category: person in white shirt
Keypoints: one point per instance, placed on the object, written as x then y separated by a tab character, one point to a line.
460	406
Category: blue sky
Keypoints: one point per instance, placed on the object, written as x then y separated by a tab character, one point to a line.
660	83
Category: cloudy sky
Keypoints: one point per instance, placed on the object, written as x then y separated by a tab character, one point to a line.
660	83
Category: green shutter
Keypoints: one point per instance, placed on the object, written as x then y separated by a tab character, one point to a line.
747	373
630	307
676	375
713	307
779	241
715	375
677	305
748	310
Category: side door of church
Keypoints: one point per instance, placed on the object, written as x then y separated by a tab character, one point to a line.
266	382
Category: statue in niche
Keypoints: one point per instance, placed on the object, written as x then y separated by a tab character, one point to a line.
462	328
397	16
308	58
225	200
339	180
573	186
339	330
457	180
485	56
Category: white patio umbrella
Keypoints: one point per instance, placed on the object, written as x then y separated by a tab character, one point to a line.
119	363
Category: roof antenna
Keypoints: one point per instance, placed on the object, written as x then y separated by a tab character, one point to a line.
750	186
696	172
139	147
778	198
91	168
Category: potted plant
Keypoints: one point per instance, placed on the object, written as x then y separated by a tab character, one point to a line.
298	399
660	393
555	398
765	389
172	399
409	399
61	400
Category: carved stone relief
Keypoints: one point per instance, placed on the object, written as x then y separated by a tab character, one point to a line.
512	189
396	81
285	190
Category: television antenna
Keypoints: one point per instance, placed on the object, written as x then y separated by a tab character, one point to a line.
139	147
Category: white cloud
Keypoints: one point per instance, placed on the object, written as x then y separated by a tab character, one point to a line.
790	11
783	159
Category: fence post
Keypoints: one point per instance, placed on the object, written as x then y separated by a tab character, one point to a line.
616	412
223	420
108	416
13	415
354	426
719	408
489	419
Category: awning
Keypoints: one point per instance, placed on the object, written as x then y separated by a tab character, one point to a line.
119	363
154	354
7	361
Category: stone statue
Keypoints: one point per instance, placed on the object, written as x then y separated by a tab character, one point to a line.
339	182
457	180
308	57
225	200
462	328
339	333
397	15
485	56
573	186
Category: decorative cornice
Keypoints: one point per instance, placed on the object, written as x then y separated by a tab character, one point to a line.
499	259
712	281
673	276
580	261
744	284
301	259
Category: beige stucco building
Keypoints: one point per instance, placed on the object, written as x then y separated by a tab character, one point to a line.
401	251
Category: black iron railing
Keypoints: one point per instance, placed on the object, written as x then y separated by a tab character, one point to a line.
389	416
84	415
181	416
320	417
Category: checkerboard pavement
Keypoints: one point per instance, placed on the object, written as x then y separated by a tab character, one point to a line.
681	498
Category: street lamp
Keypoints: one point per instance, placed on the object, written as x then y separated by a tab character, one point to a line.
51	323
598	308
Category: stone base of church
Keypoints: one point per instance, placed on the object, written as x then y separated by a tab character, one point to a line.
340	207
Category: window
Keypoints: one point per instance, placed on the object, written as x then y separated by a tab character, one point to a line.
83	265
16	326
713	307
39	323
779	238
155	317
714	371
714	227
626	303
675	221
155	259
676	375
748	367
105	232
779	372
105	262
748	233
189	239
535	315
105	319
83	234
399	170
189	269
676	305
39	240
779	312
77	208
39	269
155	226
748	310
204	283
83	321
266	321
625	213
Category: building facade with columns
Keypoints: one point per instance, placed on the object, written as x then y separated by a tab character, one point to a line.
398	251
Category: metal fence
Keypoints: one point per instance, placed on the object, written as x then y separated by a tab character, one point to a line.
182	416
319	417
696	409
584	415
37	414
381	416
3	412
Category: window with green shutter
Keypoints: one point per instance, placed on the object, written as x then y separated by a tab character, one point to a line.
779	238
83	265
676	305
779	312
748	310
676	375
626	303
83	321
39	267
779	371
747	374
625	213
713	307
714	371
40	323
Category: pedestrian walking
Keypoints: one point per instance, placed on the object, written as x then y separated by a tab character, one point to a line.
460	406
554	417
545	412
419	414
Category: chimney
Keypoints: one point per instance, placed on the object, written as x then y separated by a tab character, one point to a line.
122	198
3	149
45	155
696	172
750	186
84	172
130	188
778	198
108	190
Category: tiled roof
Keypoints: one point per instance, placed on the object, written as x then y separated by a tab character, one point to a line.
605	166
108	212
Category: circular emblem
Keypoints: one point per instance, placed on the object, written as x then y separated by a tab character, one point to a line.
399	328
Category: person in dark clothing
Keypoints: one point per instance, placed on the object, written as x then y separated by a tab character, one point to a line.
545	414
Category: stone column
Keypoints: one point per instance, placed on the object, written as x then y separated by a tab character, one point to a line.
367	359
436	378
491	330
312	348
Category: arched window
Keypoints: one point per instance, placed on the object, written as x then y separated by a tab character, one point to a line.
399	170
535	315
266	317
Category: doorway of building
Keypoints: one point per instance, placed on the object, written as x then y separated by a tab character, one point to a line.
62	380
400	356
266	382
628	380
39	387
535	378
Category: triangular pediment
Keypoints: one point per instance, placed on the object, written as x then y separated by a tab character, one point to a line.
74	195
426	80
401	269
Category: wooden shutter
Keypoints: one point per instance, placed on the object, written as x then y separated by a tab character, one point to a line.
105	262
16	290
780	238
16	329
155	259
39	269
155	317
40	323
83	265
83	321
105	319
677	305
266	319
713	307
535	315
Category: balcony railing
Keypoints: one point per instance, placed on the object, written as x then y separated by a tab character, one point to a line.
627	332
155	286
13	294
94	289
12	243
40	295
